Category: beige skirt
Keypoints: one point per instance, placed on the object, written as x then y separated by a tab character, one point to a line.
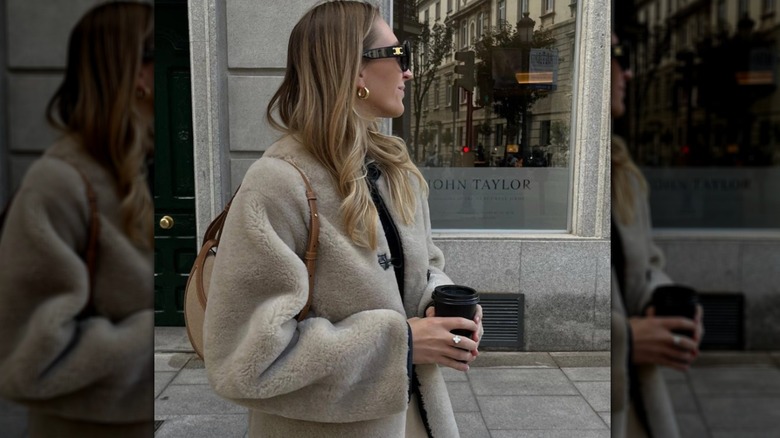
414	423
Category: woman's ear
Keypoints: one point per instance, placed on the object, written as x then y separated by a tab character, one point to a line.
361	80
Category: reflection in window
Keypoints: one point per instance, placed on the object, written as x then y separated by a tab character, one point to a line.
548	6
505	140
703	117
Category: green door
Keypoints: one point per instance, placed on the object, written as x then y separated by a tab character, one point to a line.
174	185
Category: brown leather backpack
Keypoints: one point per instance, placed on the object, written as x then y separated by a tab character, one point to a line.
197	289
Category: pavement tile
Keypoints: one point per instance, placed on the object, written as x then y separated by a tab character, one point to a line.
736	381
548	434
741	412
461	397
193	400
471	425
721	358
538	412
692	426
587	374
581	358
596	394
170	361
203	426
161	381
171	339
682	397
607	417
451	375
191	376
513	358
520	381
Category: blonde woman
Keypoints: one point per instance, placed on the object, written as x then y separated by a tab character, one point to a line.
365	361
641	342
77	341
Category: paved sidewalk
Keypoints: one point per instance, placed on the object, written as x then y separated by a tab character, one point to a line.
504	395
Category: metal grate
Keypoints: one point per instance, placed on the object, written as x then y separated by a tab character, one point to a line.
502	319
724	321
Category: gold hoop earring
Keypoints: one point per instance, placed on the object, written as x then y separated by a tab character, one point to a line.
363	93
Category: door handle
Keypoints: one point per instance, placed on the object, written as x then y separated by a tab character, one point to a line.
166	223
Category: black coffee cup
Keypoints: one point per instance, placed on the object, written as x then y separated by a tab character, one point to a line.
676	300
454	300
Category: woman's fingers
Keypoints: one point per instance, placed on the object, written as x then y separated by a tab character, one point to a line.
677	323
459	324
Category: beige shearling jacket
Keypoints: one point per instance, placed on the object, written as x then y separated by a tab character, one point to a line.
74	372
644	272
343	370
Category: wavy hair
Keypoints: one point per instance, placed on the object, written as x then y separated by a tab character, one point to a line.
316	106
627	182
96	104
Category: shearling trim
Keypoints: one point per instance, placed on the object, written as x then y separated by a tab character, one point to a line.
421	404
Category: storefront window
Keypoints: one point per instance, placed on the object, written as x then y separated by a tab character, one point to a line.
709	143
497	157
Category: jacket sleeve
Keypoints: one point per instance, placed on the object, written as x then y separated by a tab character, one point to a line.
644	260
48	357
436	275
655	274
258	355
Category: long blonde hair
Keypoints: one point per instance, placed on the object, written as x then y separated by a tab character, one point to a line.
316	105
627	182
96	104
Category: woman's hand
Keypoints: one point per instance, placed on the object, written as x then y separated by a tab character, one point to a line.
432	341
654	343
476	335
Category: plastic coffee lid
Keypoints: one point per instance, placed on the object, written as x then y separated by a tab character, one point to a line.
455	294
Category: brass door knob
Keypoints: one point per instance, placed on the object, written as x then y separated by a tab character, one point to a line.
166	223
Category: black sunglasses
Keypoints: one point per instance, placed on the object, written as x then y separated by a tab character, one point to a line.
622	54
402	53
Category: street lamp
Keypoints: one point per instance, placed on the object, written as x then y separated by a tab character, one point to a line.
525	33
525	29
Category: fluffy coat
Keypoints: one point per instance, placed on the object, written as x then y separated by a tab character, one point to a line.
343	370
644	272
74	373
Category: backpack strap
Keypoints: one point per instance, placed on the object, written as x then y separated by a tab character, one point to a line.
214	233
90	253
310	257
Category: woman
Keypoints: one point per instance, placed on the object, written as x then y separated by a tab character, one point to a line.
364	363
77	343
641	342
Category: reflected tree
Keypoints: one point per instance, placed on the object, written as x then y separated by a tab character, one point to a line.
510	101
428	52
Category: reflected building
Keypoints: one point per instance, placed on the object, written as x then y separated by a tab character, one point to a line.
706	80
703	124
525	122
